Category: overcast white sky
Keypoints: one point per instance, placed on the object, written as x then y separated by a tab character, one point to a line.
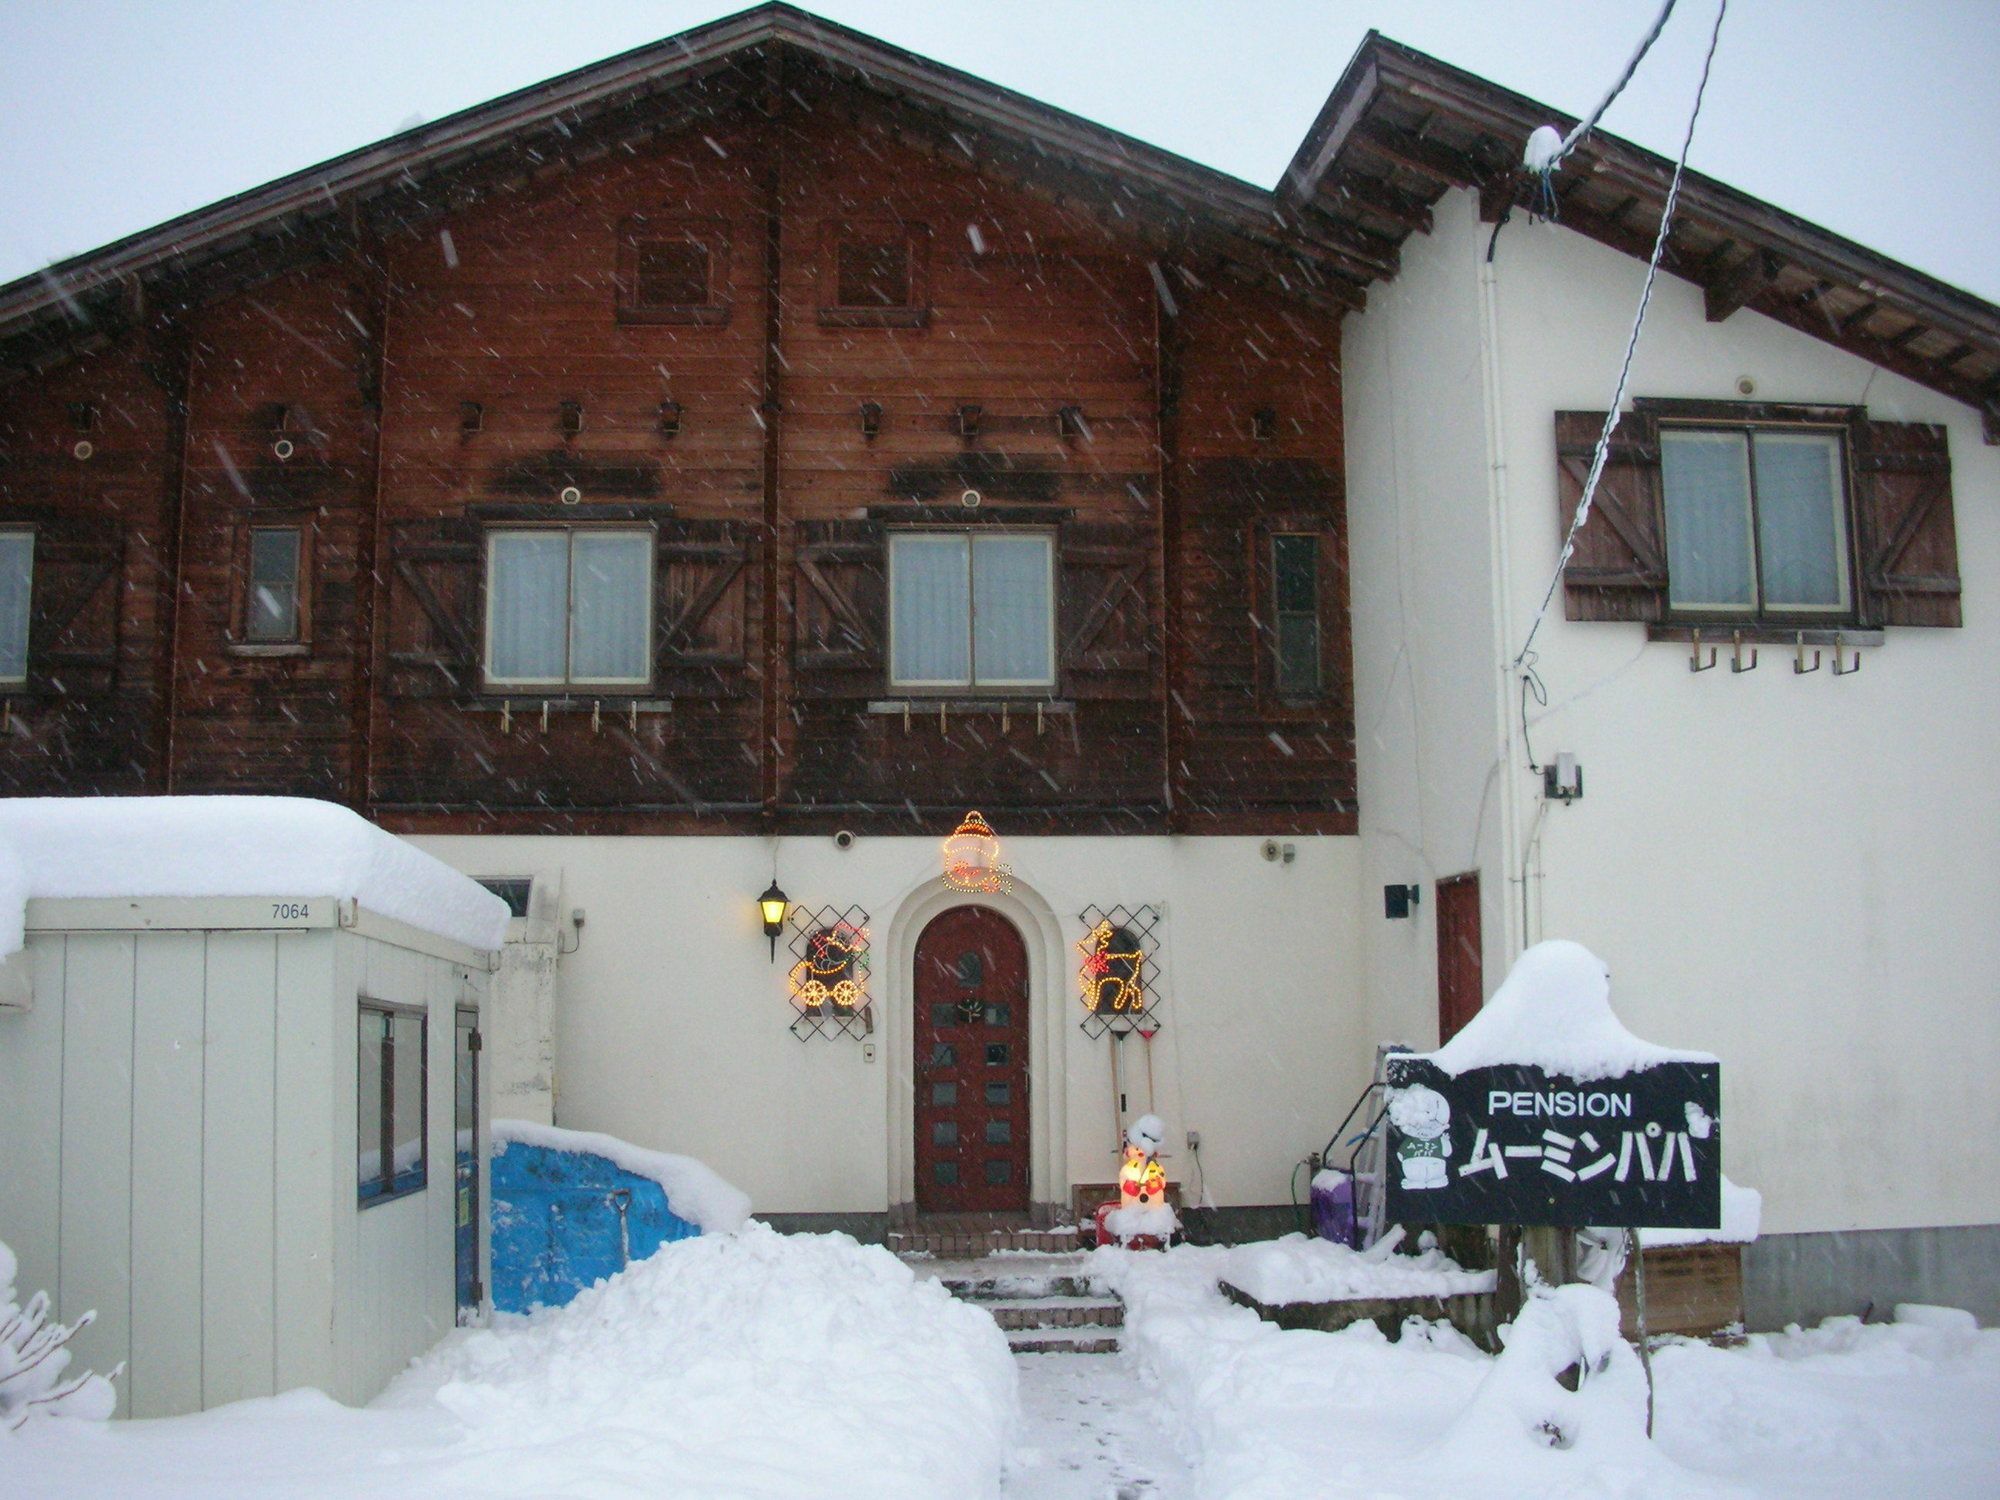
1876	118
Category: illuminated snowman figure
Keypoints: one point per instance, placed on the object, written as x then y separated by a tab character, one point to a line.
1422	1118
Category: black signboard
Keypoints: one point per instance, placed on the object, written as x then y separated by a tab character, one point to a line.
1515	1145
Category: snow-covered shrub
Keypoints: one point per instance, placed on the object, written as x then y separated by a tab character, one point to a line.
34	1355
1565	1379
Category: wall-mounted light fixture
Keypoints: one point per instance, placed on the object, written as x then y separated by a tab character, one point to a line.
1398	899
968	420
773	904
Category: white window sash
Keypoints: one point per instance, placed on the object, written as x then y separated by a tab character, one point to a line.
564	625
17	593
902	651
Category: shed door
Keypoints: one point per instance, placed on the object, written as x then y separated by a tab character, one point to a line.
971	1064
1460	992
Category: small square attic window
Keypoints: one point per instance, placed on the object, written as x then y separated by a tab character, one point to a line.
873	275
673	270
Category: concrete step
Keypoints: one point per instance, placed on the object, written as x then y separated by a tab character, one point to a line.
1018	1287
971	1244
1085	1340
1058	1312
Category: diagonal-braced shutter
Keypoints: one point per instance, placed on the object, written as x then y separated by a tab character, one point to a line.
1906	535
434	626
1619	568
706	589
840	609
75	607
1104	618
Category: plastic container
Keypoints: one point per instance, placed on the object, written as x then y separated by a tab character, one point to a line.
1333	1207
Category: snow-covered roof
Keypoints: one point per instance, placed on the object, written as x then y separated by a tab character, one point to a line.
139	847
1553	1012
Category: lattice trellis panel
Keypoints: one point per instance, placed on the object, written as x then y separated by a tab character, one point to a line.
1118	978
828	982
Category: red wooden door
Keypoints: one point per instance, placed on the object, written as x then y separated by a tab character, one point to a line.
971	1064
1460	992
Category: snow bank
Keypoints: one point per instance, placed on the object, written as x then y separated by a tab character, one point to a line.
753	1364
230	846
1299	1269
693	1190
1553	1012
1742	1219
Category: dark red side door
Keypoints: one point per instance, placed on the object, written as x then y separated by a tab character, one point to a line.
971	1064
1460	985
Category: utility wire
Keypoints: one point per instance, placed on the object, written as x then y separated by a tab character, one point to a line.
1524	662
1584	127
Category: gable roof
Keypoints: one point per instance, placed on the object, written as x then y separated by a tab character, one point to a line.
694	76
1400	128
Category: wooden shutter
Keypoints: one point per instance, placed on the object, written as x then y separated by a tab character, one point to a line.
434	626
1906	539
840	609
1104	609
705	594
74	607
1619	568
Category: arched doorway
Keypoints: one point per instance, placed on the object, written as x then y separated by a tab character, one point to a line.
970	984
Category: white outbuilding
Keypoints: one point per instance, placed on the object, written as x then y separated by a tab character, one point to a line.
240	1106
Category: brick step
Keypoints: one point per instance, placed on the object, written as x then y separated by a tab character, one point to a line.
985	1242
1026	1286
1063	1341
1058	1312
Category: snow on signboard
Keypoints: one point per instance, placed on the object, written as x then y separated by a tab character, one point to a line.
1545	1110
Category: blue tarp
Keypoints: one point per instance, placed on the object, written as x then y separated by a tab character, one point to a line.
563	1220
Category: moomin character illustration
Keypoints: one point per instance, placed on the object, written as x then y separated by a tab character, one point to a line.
1422	1118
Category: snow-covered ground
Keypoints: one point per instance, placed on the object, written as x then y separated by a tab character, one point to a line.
757	1366
752	1366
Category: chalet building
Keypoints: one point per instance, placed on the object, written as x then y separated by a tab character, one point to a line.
734	464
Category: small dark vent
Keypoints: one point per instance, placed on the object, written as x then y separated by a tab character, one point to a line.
1070	424
871	419
1263	424
670	419
968	421
471	417
83	416
874	274
569	418
671	273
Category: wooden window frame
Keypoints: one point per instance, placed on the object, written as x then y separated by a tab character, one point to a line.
972	685
1747	423
300	642
20	683
1264	610
640	230
559	686
915	313
386	1121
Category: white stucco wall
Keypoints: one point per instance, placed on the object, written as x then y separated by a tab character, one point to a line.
1796	872
671	1018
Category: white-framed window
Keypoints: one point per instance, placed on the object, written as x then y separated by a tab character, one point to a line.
391	1101
1757	521
972	609
17	587
569	606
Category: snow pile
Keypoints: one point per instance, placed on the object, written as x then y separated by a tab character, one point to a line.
230	846
34	1360
1553	1012
1299	1269
694	1191
1742	1220
752	1364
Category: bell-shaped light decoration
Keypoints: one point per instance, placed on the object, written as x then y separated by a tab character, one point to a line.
972	857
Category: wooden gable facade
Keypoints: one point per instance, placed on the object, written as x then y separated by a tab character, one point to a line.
770	294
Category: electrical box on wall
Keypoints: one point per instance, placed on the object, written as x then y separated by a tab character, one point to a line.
1562	778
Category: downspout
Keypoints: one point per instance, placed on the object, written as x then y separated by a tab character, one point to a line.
1500	579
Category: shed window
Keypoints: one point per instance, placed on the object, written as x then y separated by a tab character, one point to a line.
271	612
1295	610
569	607
17	575
972	610
1756	521
392	1075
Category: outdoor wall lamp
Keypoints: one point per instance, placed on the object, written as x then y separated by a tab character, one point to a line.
1398	899
773	904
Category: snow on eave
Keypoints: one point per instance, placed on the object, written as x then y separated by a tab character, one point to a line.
694	1190
140	847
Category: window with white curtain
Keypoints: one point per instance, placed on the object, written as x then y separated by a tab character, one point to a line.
972	609
17	581
1757	521
569	607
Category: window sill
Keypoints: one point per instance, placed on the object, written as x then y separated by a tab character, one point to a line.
1720	633
990	703
269	648
367	1201
874	317
528	701
709	315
